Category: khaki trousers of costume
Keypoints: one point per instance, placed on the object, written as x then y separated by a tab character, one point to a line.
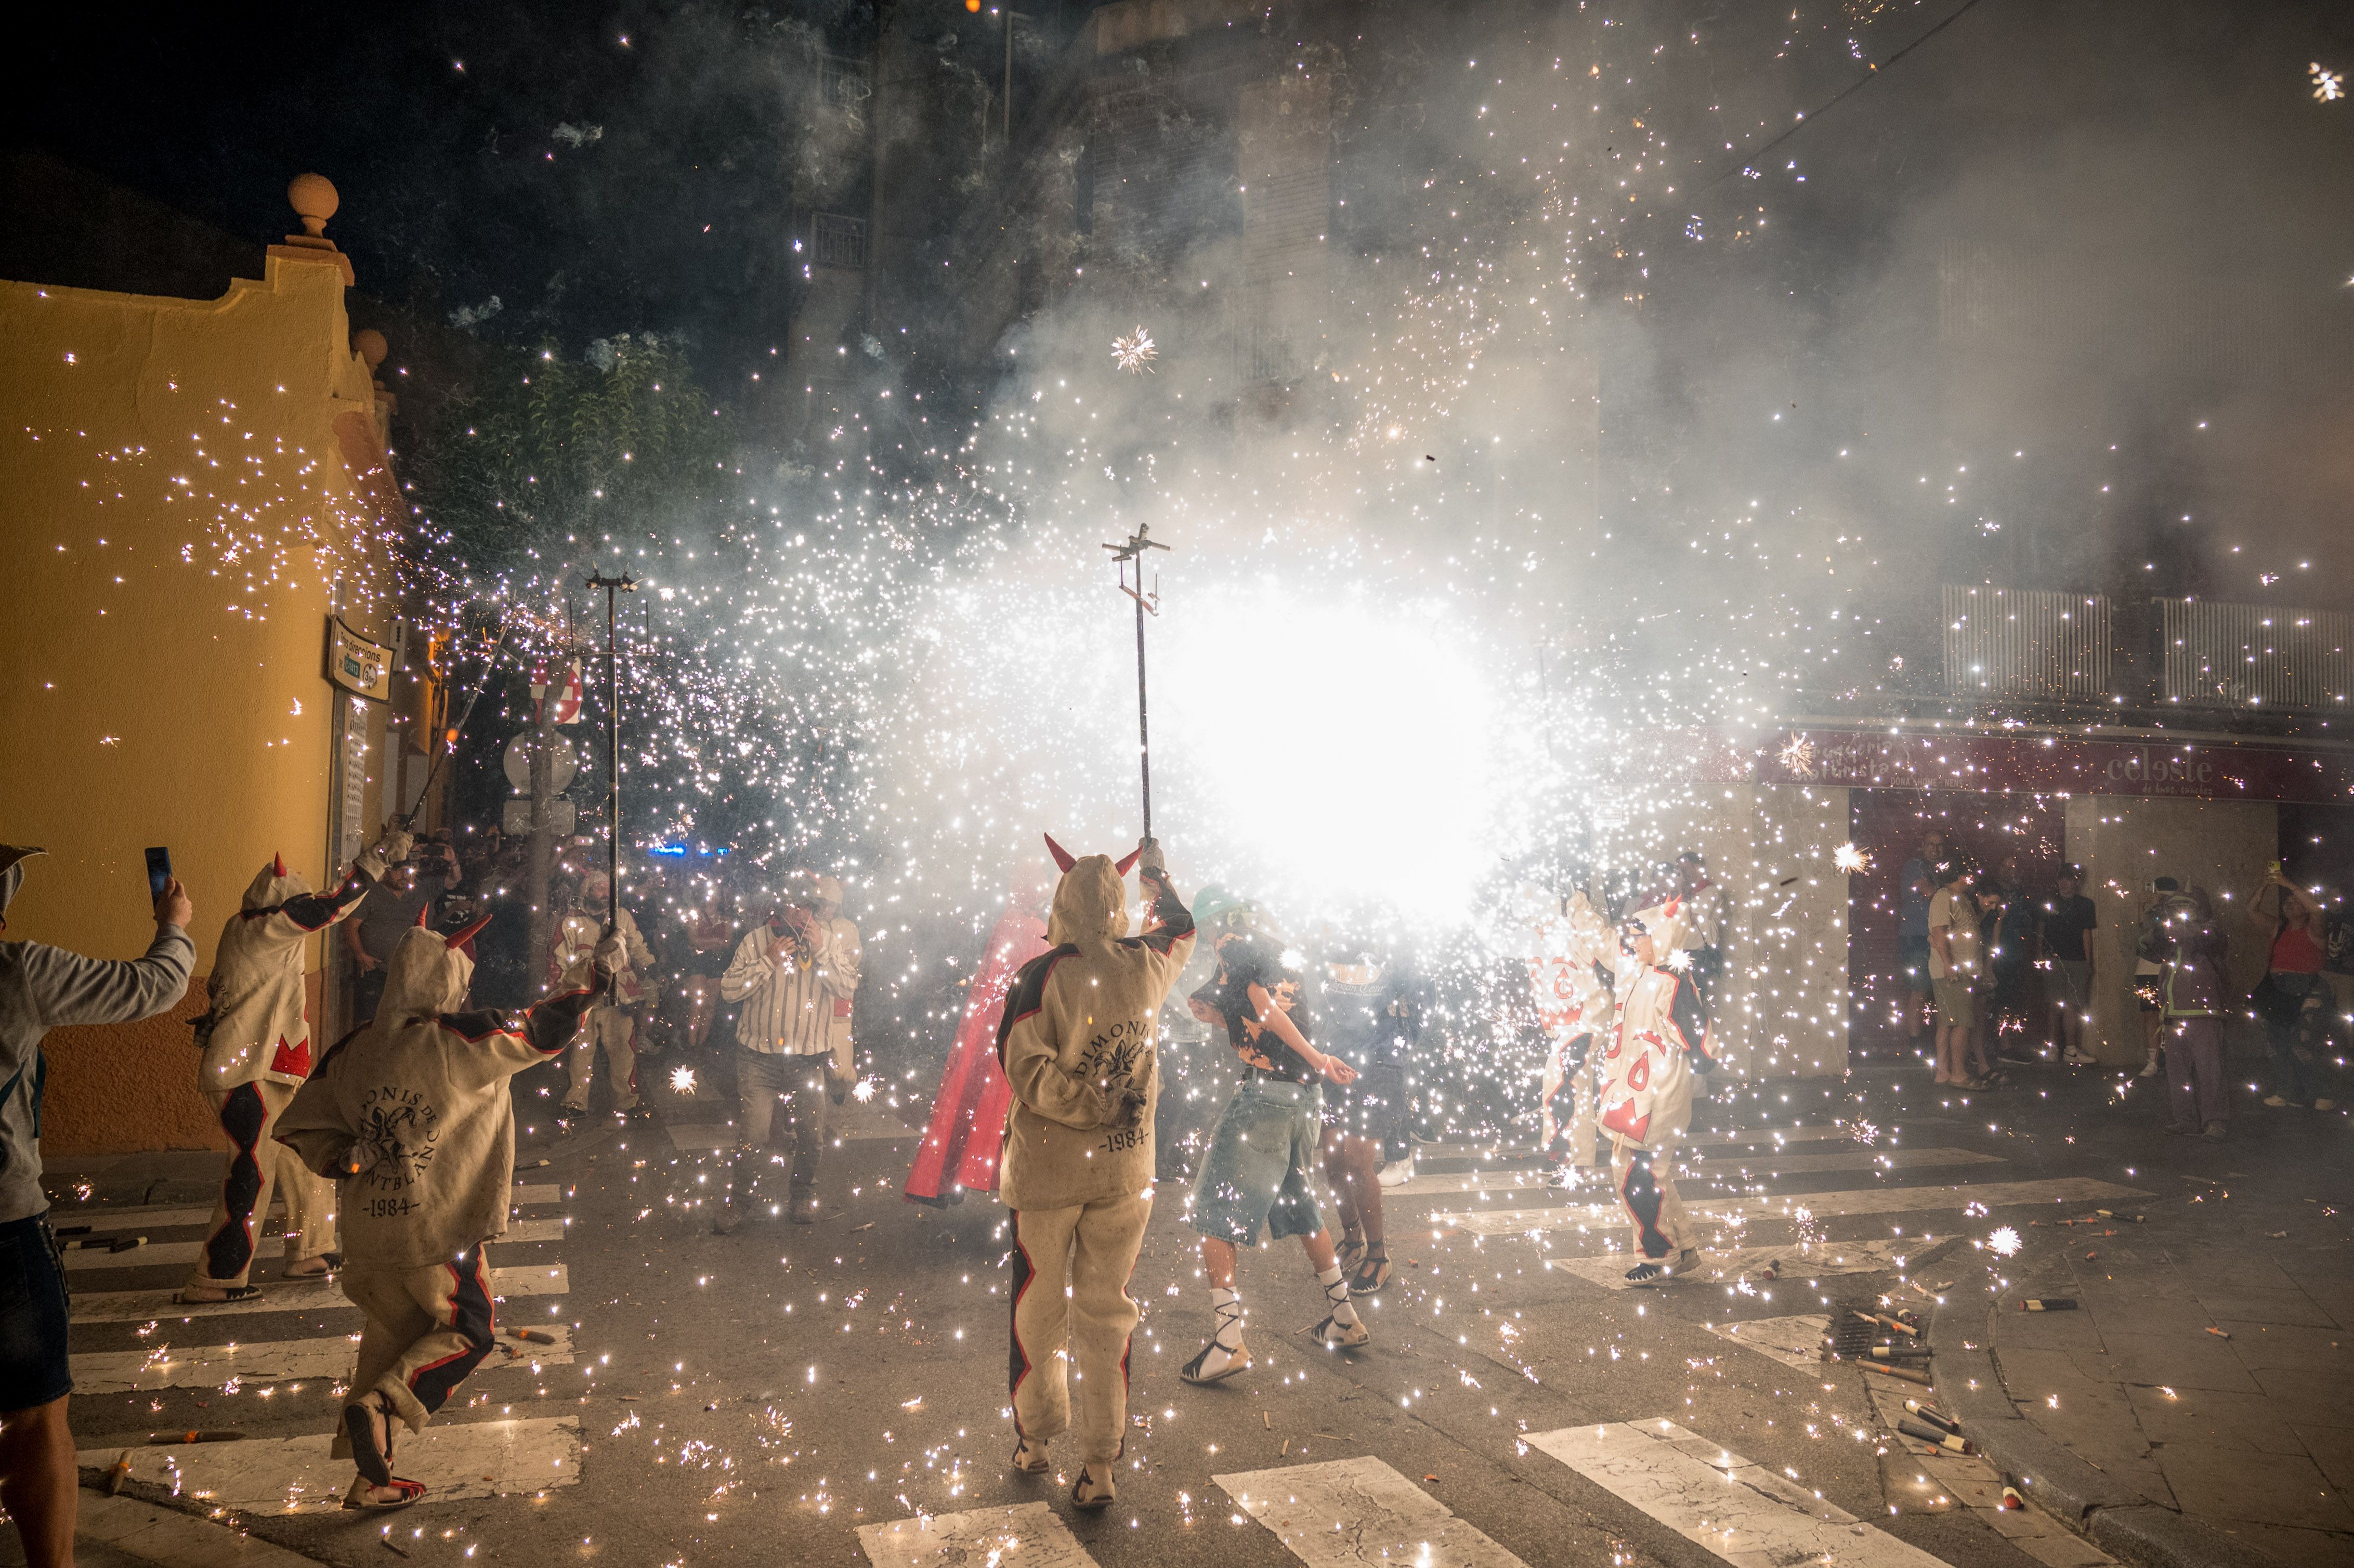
427	1328
1645	1180
611	1030
1089	1320
259	1165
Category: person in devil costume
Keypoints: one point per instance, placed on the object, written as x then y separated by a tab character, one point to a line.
1078	1041
1570	969
257	1046
1662	1041
412	1116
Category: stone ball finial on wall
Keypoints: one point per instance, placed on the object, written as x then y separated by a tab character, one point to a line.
371	347
313	199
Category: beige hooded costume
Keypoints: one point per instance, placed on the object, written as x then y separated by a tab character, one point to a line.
611	1025
256	1051
1078	1043
411	1113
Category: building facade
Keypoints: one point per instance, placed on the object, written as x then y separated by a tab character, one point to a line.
204	642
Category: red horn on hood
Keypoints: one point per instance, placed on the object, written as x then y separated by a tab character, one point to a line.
1128	863
1064	858
277	864
460	938
421	922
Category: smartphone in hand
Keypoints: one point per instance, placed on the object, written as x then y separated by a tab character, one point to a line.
159	873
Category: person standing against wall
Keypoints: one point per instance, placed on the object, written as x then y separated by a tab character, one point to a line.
2064	937
1952	925
41	988
2195	990
2291	995
1916	886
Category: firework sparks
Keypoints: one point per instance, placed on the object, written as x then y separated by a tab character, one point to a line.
1851	860
2328	85
1798	756
1136	351
682	1080
2004	1242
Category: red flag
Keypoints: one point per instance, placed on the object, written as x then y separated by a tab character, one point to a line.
567	702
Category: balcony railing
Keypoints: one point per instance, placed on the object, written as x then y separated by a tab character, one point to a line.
2219	654
2026	642
838	239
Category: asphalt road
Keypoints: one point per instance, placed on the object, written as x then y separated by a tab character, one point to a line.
761	1396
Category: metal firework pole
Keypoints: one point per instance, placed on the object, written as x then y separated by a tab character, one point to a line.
1132	549
612	585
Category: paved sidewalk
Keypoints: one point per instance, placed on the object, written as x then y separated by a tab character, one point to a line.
123	1532
2198	1403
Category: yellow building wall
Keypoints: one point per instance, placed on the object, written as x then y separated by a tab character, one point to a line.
189	488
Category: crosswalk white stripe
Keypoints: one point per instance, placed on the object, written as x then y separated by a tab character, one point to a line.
295	1474
165	1216
1771	1162
1819	1205
1346	1513
82	1259
329	1356
1823	1261
1740	1511
305	1296
1028	1534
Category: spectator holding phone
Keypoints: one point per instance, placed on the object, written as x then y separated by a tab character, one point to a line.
41	988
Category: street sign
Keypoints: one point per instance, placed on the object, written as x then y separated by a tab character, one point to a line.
517	819
563	760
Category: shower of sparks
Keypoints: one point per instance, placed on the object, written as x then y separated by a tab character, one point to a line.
2004	1242
682	1080
1798	756
1865	1132
1851	860
2328	85
1135	353
862	1090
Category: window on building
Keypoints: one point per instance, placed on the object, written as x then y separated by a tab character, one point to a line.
843	82
838	239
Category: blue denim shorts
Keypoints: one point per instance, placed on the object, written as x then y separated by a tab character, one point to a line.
1259	1169
34	1369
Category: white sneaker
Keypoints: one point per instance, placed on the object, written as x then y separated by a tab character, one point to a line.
2076	1058
1397	1172
2148	1069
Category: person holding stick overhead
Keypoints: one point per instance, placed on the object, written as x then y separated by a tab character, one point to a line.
1077	1041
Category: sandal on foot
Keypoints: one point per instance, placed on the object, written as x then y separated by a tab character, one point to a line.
227	1293
1349	1254
1030	1458
1092	1492
1238	1361
371	1453
1335	1335
1372	1272
394	1493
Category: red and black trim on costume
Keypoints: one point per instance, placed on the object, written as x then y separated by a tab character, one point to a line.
1689	1015
1640	1193
317	911
229	1251
1027	994
548	1025
1017	1360
469	1315
1563	1105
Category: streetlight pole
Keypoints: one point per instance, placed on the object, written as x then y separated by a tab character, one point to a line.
612	585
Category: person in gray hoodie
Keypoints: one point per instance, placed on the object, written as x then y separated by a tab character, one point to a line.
41	988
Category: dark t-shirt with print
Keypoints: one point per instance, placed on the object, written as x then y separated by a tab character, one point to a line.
1254	961
1364	1009
2065	922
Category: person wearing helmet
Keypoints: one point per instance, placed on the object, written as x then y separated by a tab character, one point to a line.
411	1114
1263	1152
611	1023
1077	1041
257	1045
